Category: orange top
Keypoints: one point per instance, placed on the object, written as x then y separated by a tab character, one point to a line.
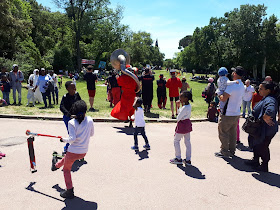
174	84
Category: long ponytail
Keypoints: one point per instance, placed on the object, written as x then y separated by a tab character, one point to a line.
79	109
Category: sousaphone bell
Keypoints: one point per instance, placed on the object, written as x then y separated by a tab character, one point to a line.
119	60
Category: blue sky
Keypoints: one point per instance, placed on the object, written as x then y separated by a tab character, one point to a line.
169	21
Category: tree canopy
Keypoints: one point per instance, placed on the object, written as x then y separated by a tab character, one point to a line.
245	36
34	37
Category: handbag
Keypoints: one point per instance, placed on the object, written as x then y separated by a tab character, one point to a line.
252	126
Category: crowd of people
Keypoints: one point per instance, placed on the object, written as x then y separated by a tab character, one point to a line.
229	96
41	86
232	95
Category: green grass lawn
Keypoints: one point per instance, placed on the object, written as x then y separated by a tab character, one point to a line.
199	106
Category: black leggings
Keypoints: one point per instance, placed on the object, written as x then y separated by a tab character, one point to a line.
262	150
142	131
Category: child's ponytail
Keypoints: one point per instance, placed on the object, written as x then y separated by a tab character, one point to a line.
79	109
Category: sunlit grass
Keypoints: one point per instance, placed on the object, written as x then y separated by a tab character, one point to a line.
199	106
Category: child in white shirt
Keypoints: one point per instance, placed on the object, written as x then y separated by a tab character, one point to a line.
80	130
223	82
183	129
30	93
139	124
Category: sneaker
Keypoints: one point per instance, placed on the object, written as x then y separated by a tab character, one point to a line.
187	162
68	193
54	161
173	117
2	154
220	155
176	161
14	103
135	148
91	109
19	103
147	146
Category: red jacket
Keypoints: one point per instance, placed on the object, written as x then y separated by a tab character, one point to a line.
174	84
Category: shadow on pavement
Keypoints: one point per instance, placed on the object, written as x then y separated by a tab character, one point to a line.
243	148
77	202
192	171
78	164
31	188
269	178
143	154
127	130
238	163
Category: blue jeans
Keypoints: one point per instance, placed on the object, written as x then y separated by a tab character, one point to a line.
6	97
66	120
55	95
45	96
248	105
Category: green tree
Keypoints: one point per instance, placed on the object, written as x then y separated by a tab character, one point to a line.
76	10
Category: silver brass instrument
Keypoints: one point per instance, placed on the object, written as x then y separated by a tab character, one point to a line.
119	59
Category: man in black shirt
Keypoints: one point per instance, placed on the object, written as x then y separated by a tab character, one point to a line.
161	92
90	78
147	89
115	88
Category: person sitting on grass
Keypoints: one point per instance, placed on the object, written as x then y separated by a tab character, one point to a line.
139	124
81	128
66	104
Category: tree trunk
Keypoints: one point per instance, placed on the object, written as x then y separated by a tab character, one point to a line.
263	67
78	36
255	72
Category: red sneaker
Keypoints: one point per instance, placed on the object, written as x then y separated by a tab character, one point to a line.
2	154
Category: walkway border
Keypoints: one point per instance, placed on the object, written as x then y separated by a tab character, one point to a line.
32	117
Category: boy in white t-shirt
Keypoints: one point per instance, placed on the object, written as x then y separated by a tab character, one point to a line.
139	124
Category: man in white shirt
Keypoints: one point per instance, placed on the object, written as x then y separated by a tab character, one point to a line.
247	98
231	113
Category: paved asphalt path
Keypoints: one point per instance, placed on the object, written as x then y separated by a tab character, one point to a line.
115	177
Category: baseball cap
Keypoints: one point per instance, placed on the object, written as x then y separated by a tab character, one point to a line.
222	71
238	70
172	70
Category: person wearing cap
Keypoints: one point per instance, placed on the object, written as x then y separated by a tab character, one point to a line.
147	89
161	92
223	82
91	79
268	78
16	78
247	98
173	83
227	127
43	83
